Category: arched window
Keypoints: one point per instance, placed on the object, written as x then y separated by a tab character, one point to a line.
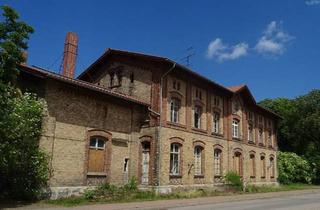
96	161
237	163
272	167
252	166
217	162
235	128
174	110
216	122
263	166
197	116
198	160
175	159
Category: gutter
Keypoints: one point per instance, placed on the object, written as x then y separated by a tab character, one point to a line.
160	126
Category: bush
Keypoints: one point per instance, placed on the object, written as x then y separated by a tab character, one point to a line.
234	180
293	169
111	192
23	167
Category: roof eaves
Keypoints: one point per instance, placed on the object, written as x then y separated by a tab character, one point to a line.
81	83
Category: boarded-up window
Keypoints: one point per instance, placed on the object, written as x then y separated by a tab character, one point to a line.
263	167
252	166
237	163
96	162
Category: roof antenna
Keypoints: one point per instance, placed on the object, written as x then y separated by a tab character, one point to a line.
190	53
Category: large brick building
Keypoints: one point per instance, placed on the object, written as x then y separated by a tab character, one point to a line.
136	115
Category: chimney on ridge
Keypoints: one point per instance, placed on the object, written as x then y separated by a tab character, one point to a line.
70	55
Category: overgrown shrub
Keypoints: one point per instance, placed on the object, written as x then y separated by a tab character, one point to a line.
111	192
23	167
233	179
293	169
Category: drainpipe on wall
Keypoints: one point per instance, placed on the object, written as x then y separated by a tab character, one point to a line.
160	126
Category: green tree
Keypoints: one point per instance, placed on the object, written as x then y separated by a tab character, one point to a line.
13	40
299	131
23	167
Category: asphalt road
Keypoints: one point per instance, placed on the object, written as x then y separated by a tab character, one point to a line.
295	202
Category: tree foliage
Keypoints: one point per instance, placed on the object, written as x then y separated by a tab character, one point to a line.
23	167
299	131
293	169
13	40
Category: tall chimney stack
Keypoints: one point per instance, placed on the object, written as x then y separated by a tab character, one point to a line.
70	55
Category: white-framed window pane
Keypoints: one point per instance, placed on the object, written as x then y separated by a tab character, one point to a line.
217	162
175	159
174	110
97	143
235	128
216	122
198	160
197	117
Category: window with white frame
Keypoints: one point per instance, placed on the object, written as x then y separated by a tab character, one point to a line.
197	116
217	162
216	122
97	143
174	110
198	160
235	128
175	159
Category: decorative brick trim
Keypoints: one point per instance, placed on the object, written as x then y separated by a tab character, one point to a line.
176	140
199	143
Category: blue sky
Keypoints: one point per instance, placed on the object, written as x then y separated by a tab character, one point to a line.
272	46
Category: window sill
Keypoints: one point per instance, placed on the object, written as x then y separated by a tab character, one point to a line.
263	177
175	176
217	134
251	142
252	177
272	177
236	139
176	124
217	176
96	174
199	130
198	176
261	145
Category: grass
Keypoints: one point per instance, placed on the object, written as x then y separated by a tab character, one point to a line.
137	196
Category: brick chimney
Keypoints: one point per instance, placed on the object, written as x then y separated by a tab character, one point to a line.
70	55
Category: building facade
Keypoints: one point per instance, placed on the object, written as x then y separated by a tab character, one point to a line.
136	115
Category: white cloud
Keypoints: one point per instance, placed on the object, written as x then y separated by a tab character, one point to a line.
312	2
222	52
273	40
